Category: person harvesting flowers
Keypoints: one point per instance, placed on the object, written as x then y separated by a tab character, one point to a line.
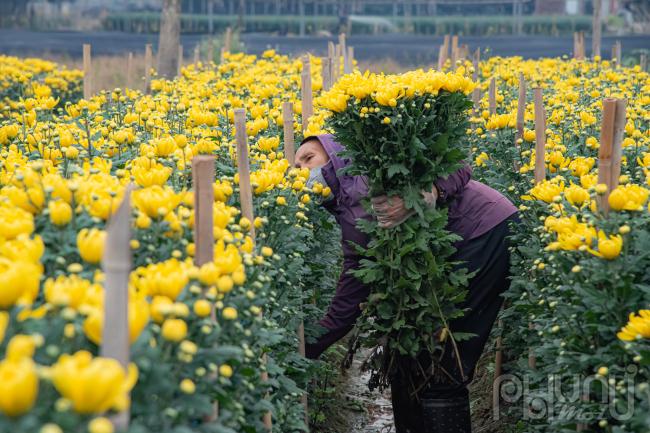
428	259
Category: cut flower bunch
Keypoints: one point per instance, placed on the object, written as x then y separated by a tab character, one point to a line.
403	132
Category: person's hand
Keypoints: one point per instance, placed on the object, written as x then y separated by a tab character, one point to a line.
391	211
431	197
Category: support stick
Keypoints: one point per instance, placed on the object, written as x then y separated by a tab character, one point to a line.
129	71
326	72
148	60
180	59
87	72
521	108
306	92
202	179
246	199
287	122
492	97
540	136
228	39
116	264
596	25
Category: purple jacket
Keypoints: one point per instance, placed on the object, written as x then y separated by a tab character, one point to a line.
473	209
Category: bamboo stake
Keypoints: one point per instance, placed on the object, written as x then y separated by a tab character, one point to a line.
492	97
441	57
129	71
476	99
331	50
148	60
290	155
227	44
180	59
326	72
202	179
349	60
476	62
344	50
88	71
540	136
454	51
597	30
336	63
609	152
532	360
210	56
521	108
306	92
446	44
617	147
246	200
287	122
116	264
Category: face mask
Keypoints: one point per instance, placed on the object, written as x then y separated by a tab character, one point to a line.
316	175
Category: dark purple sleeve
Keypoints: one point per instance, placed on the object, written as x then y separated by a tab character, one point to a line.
343	310
451	185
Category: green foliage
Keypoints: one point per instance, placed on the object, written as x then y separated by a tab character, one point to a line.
416	288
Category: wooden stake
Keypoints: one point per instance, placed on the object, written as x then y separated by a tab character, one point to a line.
287	122
540	136
643	62
454	51
477	64
227	43
596	25
243	167
148	61
617	147
202	184
180	59
210	56
619	54
609	152
336	63
331	50
88	71
246	200
129	71
197	54
349	61
202	181
441	57
521	108
326	72
575	45
532	360
116	265
476	99
344	50
492	97
306	93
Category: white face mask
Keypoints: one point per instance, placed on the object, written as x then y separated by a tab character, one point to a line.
316	175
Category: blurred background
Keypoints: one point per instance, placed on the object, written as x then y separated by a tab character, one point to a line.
388	35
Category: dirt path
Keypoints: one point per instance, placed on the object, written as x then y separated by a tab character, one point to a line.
375	413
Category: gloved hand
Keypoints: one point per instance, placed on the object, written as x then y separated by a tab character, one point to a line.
391	212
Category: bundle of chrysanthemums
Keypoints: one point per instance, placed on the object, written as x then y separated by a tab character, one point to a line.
403	133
